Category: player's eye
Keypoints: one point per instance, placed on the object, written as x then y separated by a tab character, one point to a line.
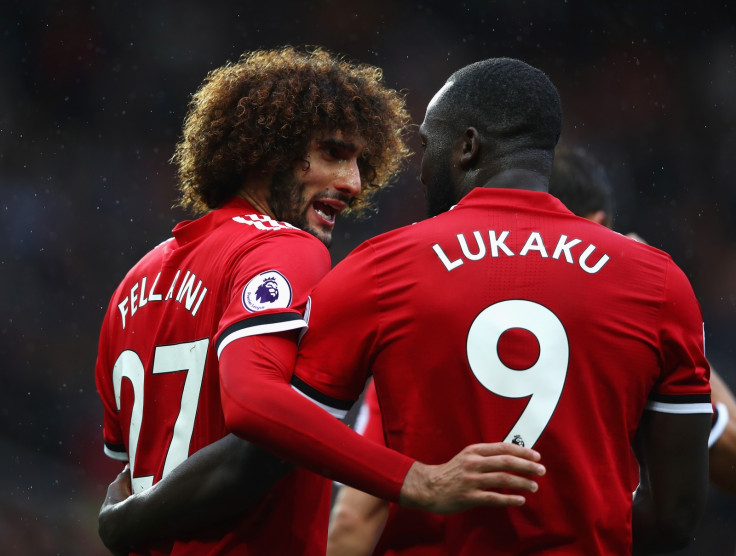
335	152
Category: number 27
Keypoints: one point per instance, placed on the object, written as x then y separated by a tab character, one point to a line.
189	357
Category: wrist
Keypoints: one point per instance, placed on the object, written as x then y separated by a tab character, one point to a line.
415	491
111	526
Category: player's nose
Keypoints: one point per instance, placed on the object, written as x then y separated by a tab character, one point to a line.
348	179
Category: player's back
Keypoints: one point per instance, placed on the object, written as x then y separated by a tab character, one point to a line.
508	318
158	356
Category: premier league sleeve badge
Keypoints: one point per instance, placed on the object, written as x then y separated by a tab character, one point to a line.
268	290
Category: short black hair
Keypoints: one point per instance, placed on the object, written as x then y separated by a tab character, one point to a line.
509	100
580	182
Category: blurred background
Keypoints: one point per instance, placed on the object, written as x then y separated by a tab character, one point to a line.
92	97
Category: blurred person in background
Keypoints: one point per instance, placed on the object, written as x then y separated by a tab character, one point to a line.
274	148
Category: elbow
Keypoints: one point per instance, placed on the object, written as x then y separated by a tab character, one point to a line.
238	420
344	521
678	535
669	537
346	532
668	532
723	460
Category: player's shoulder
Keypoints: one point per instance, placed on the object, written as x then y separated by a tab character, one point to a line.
641	261
638	248
153	257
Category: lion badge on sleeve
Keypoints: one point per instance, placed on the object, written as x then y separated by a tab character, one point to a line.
267	290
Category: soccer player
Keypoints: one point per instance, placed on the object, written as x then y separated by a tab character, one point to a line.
507	318
357	518
274	147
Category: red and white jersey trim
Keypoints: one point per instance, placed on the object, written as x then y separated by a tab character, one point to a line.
263	324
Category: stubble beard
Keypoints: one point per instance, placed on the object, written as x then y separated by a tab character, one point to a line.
288	204
440	193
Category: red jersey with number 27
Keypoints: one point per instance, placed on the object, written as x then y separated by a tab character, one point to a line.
510	319
231	274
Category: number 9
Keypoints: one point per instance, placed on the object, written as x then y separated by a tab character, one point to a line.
543	381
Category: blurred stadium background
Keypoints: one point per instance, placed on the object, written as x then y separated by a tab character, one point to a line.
92	96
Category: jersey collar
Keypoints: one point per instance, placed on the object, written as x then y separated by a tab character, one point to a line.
188	230
513	198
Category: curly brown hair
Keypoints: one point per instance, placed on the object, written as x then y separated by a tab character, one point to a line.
262	113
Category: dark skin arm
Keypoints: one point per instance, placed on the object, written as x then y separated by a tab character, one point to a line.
217	483
723	452
672	451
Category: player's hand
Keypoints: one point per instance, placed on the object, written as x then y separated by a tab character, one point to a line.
108	526
474	477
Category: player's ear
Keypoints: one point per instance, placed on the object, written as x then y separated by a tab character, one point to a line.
469	149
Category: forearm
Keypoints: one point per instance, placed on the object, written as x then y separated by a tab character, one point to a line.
649	531
293	427
217	483
723	451
673	461
268	411
723	459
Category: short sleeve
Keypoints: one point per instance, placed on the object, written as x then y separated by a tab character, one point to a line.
269	285
684	385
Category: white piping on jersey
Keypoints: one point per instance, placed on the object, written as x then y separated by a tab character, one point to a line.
260	329
339	413
679	408
121	456
720	425
361	422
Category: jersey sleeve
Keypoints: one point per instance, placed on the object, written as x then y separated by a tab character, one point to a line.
269	286
337	351
684	385
264	409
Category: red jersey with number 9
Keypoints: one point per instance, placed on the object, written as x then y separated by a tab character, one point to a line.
510	319
230	274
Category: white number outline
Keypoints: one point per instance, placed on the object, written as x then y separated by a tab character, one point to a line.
189	357
543	381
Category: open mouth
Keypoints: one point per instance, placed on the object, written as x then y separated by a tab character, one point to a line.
325	212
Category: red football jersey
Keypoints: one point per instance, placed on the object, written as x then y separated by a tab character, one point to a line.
227	275
508	318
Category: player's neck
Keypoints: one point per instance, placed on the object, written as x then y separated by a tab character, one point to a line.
518	179
256	192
